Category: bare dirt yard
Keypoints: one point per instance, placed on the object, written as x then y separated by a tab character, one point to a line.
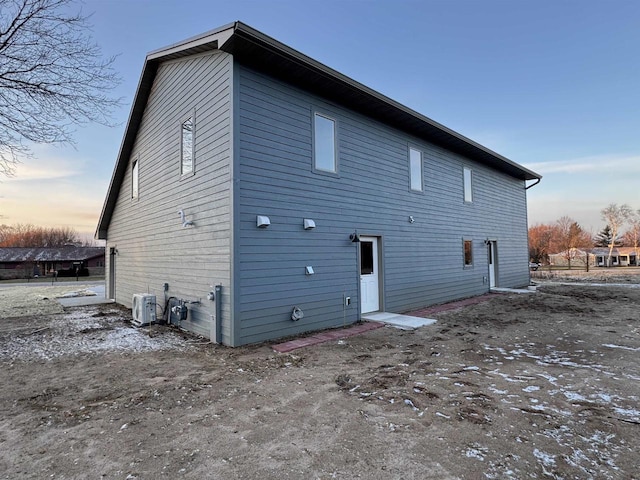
528	386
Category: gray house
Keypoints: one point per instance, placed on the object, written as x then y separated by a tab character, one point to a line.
297	197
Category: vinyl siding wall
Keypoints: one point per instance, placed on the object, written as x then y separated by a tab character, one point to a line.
422	262
153	247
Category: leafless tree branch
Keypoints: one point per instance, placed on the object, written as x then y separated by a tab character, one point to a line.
52	76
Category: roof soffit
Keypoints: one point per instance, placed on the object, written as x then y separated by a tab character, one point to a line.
259	51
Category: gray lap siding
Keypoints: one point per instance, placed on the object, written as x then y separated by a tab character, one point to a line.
422	261
153	247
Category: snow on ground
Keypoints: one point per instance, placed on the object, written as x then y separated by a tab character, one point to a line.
24	301
81	331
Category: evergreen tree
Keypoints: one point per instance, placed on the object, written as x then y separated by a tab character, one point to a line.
603	238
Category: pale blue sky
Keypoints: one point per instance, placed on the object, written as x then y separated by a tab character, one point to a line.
552	85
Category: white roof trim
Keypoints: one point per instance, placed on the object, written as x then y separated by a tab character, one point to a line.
220	36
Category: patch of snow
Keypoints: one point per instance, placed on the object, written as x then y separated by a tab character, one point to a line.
574	396
628	412
550	378
531	388
476	452
546	459
493	389
622	347
605	397
77	293
507	377
410	403
82	332
539	408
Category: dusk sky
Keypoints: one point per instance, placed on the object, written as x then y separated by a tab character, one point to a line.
552	85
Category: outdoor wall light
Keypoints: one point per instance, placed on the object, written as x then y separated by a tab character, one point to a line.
262	221
354	237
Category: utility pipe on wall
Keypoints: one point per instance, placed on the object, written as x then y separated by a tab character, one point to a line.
218	319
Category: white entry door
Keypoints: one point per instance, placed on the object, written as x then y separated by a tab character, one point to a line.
492	264
369	276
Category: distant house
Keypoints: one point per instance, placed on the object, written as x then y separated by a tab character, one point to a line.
620	256
40	261
305	198
598	257
575	256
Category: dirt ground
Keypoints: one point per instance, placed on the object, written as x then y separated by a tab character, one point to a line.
543	385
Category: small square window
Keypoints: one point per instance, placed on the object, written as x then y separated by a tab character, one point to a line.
324	143
134	179
468	186
186	165
468	253
415	169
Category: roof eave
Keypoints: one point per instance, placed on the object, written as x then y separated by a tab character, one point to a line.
299	68
236	38
206	41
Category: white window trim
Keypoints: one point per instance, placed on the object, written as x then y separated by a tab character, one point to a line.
315	169
468	190
421	153
190	116
135	178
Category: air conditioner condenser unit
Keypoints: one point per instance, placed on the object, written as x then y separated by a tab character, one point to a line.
143	309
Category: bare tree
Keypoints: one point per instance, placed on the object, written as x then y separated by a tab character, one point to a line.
569	236
26	235
540	242
632	235
616	216
52	76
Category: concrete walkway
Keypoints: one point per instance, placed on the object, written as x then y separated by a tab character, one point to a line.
83	300
403	322
531	289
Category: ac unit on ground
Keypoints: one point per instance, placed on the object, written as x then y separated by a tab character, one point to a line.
143	309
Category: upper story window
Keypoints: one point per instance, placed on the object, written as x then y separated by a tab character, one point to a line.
324	143
186	133
468	185
415	169
134	179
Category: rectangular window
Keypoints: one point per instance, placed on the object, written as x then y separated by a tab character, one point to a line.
324	139
468	253
468	191
134	179
186	165
415	169
366	258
